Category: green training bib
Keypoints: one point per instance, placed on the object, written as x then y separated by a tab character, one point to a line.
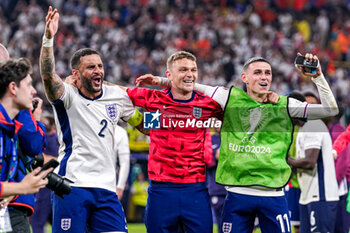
255	138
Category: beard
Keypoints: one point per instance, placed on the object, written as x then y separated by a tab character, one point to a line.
86	83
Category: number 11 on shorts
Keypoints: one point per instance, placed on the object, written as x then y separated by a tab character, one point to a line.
280	219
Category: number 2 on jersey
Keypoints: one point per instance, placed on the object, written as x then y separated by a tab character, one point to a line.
104	125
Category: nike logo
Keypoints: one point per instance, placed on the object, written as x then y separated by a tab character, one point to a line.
165	107
313	228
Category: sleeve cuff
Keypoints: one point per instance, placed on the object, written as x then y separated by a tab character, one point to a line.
318	78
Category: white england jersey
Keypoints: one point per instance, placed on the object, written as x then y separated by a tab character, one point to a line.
318	184
85	129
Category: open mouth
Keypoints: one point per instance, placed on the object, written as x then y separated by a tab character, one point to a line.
188	81
263	84
97	80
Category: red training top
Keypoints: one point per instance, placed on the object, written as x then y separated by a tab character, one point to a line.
176	151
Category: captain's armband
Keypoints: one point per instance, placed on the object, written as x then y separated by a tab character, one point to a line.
136	119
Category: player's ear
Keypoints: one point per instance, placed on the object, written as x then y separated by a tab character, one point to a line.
168	75
244	78
12	88
76	73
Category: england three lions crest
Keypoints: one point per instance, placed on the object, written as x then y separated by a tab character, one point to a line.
226	227
112	111
65	223
197	112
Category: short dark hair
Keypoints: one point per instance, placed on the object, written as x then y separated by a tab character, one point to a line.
297	95
13	71
75	59
254	59
179	55
51	122
310	94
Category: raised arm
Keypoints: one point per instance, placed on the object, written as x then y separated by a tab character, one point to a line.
54	86
328	106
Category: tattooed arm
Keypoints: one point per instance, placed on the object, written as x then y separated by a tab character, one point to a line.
54	86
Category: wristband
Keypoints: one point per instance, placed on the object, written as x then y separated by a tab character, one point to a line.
136	119
47	42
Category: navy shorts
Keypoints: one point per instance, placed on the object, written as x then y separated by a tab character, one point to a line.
88	210
240	211
170	205
318	216
293	196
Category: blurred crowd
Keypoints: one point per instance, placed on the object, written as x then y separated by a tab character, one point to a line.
135	37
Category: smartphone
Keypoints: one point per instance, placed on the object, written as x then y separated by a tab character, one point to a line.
52	163
308	66
35	105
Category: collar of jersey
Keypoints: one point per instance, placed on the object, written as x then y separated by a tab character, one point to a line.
181	101
97	97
